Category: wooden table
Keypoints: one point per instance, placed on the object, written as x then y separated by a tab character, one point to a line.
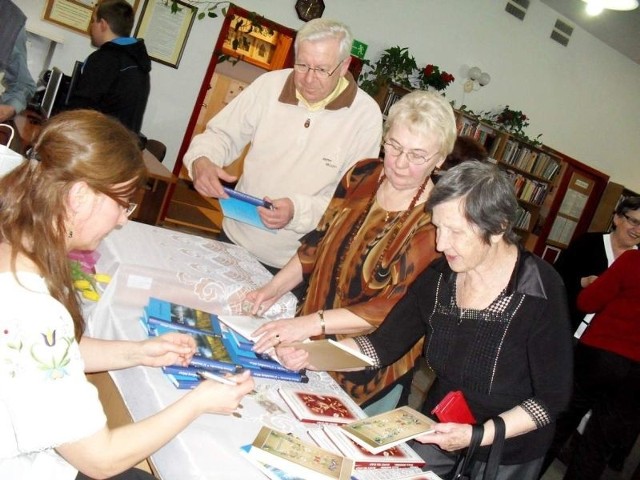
154	197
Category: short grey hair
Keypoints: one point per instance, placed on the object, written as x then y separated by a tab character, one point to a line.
425	112
490	201
321	29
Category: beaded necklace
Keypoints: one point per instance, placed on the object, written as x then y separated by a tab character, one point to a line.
397	226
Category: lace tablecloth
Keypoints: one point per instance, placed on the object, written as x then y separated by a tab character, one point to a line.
202	273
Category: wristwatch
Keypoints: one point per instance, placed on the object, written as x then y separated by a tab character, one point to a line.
309	9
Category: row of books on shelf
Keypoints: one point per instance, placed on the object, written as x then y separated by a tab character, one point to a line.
530	191
484	136
534	162
523	219
391	98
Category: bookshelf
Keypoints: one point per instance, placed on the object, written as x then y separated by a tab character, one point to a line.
533	169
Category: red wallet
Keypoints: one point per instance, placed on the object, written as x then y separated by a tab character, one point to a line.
453	408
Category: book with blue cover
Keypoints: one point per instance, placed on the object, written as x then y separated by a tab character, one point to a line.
218	349
244	208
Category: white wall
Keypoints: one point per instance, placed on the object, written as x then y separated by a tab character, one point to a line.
583	99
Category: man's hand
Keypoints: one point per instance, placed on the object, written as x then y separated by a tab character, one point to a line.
207	176
280	215
6	112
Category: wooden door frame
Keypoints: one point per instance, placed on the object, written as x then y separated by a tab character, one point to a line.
600	182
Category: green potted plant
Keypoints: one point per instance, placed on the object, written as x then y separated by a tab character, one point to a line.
395	66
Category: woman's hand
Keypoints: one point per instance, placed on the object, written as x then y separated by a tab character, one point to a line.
259	301
586	281
285	331
169	349
294	358
214	397
448	436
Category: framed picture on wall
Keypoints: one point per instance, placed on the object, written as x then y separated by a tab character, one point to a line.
74	14
164	31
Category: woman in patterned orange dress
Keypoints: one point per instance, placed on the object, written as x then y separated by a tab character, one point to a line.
371	243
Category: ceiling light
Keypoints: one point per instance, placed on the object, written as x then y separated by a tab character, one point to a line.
595	7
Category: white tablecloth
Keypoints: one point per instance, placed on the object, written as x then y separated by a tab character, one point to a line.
202	273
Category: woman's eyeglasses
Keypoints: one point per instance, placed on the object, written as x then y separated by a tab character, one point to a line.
130	208
634	222
417	157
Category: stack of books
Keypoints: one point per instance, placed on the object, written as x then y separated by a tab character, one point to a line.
219	349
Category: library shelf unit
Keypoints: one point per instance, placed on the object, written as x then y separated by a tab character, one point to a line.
557	195
534	169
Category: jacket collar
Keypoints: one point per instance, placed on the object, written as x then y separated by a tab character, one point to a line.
344	100
526	278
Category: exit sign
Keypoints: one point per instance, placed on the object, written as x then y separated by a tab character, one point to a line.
358	49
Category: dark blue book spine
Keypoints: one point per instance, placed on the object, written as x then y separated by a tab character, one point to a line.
207	363
183	384
279	375
245	197
249	359
163	325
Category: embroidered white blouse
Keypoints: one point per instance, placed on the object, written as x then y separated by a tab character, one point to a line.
45	398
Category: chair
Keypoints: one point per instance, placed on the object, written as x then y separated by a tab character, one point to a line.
157	148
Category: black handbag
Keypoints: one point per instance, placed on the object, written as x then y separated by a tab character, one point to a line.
464	464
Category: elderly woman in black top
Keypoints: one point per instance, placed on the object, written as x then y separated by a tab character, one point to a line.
496	326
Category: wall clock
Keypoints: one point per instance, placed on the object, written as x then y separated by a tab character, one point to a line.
309	9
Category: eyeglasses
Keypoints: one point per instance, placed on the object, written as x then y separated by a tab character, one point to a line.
130	208
634	222
416	157
320	72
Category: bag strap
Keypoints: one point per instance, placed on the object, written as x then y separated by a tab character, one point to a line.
495	454
4	125
477	432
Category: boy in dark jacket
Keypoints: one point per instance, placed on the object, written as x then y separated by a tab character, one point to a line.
115	78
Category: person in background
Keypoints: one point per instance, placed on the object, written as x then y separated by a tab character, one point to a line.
16	84
465	149
495	322
115	78
607	375
74	188
579	265
592	253
307	126
371	243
